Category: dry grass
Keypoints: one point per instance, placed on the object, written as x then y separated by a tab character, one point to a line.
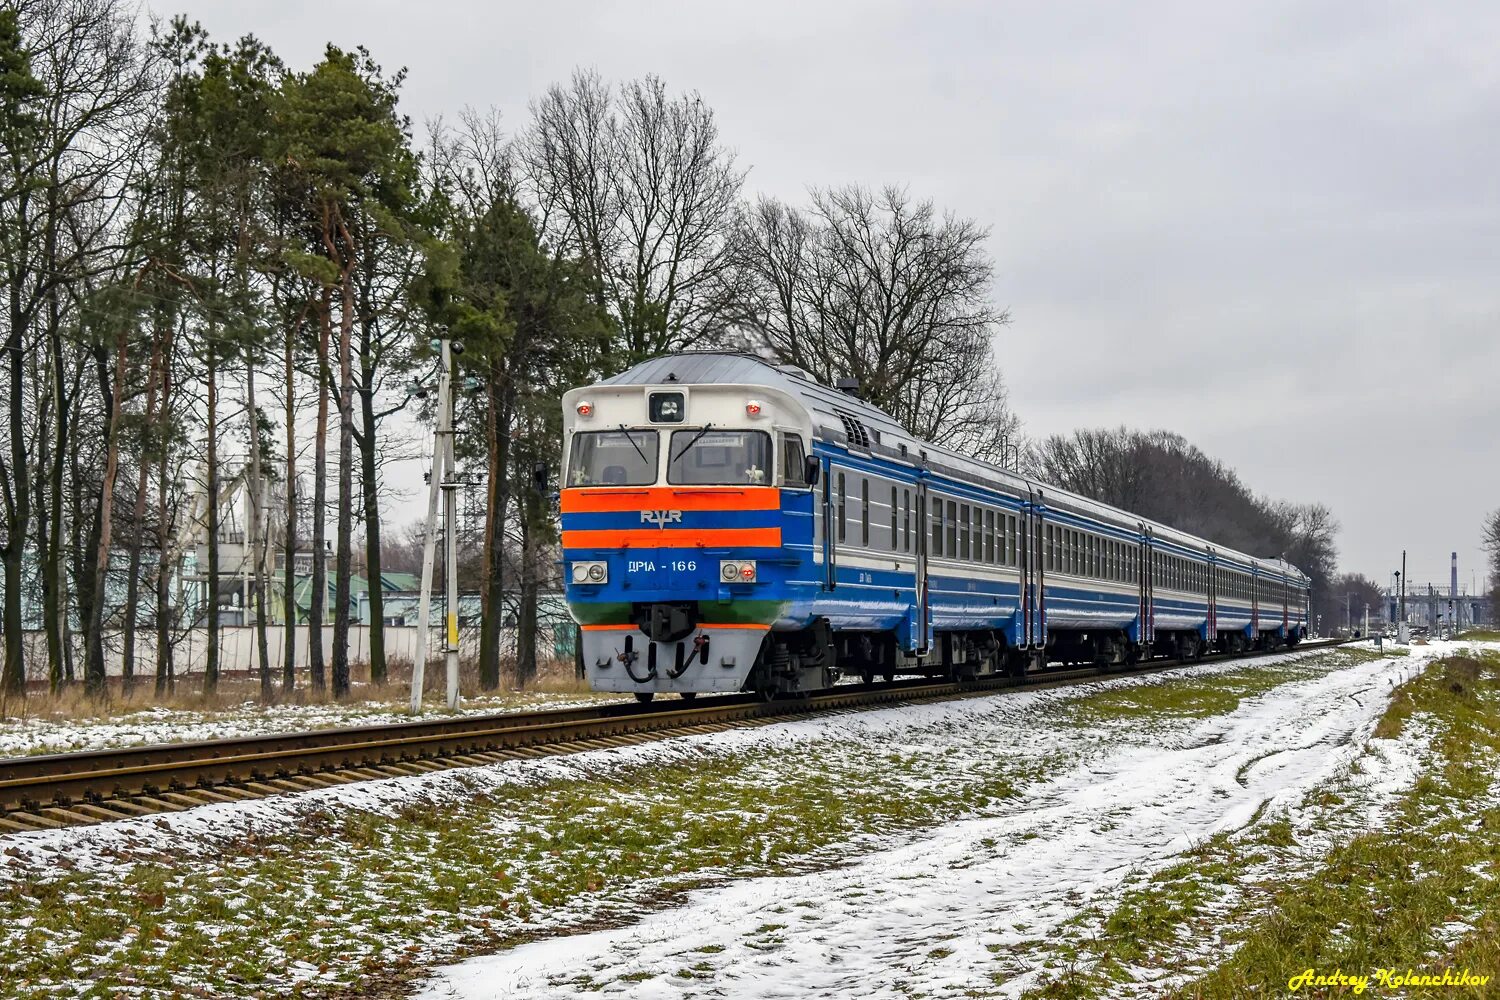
237	691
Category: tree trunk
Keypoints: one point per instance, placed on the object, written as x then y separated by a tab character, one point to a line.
254	544
138	518
94	637
289	571
132	578
369	486
346	493
47	546
211	479
498	446
51	602
526	613
54	573
84	554
319	591
18	520
165	681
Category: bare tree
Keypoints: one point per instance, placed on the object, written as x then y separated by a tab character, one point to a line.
637	183
1492	545
884	289
1160	476
75	85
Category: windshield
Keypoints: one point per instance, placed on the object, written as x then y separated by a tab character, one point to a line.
613	458
720	458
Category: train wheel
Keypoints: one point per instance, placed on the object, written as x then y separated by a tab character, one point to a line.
644	697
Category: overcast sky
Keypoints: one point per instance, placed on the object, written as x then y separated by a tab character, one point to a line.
1267	226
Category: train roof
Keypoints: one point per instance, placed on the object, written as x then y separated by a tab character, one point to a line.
832	410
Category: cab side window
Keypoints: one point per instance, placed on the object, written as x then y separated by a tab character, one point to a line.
793	461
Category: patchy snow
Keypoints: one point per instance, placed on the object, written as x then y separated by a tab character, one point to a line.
209	853
1023	715
926	916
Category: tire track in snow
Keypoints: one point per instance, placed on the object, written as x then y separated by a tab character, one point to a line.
926	915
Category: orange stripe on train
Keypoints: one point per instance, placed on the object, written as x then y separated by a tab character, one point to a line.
674	538
617	499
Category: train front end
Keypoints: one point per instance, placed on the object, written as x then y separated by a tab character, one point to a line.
681	550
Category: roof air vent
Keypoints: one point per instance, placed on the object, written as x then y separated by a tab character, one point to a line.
848	386
854	431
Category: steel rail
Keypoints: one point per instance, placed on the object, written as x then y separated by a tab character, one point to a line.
50	790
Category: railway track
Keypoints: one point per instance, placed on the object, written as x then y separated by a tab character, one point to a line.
50	791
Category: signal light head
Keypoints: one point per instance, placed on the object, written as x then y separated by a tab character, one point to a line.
589	572
737	571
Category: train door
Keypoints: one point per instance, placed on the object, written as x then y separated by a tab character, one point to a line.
923	628
1254	605
1147	575
830	553
1286	632
1213	600
1040	629
1025	548
1033	574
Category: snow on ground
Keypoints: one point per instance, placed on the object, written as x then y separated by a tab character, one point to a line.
24	736
1022	716
926	916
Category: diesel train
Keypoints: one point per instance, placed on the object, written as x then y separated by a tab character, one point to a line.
733	525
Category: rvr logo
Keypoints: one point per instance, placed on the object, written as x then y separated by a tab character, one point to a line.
661	518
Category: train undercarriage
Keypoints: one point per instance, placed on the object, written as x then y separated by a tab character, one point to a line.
798	662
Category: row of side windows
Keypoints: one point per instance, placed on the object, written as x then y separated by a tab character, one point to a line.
887	517
883	515
875	513
1083	553
1177	573
971	532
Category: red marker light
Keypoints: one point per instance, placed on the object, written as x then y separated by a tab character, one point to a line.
585	409
748	572
752	408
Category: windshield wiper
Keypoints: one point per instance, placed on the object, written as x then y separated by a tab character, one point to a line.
631	438
694	441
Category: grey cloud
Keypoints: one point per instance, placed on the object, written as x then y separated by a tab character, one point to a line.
1273	227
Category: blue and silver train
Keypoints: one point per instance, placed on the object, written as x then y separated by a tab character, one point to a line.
732	525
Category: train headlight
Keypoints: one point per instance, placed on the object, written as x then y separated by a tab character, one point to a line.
738	571
590	572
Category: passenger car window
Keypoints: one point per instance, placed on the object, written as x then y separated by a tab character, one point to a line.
937	527
864	512
613	458
843	507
